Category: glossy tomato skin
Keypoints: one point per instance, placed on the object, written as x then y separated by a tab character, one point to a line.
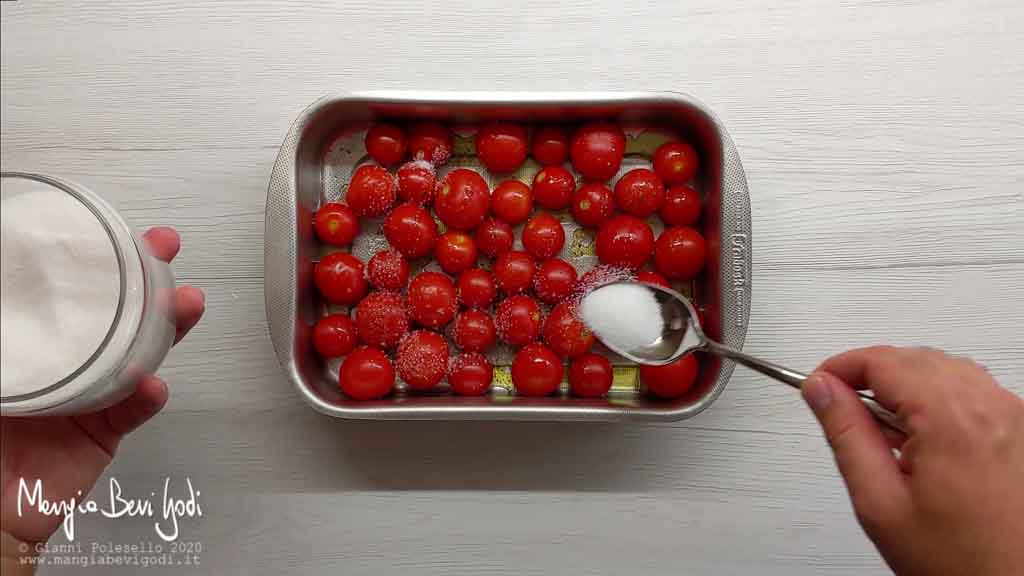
462	199
597	150
652	277
518	320
639	193
336	224
625	241
366	374
512	201
422	359
565	334
386	144
513	271
494	237
372	191
470	374
339	278
501	146
476	288
334	335
592	204
456	252
416	182
430	141
590	376
672	380
679	253
432	301
543	236
382	319
681	207
553	187
675	162
410	230
474	331
536	371
550	145
388	270
554	281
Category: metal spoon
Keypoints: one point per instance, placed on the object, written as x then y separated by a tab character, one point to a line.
682	334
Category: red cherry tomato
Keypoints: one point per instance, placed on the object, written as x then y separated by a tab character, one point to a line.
597	150
625	241
652	278
334	335
422	359
476	288
366	374
336	224
501	146
382	319
432	300
550	145
565	333
679	253
416	182
592	204
590	376
681	207
536	371
599	276
512	201
474	331
339	278
675	162
553	187
371	191
518	320
671	380
513	271
455	252
462	199
385	144
554	281
431	142
543	236
494	237
470	374
387	270
639	192
410	230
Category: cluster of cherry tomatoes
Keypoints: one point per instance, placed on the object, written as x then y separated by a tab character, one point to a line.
406	316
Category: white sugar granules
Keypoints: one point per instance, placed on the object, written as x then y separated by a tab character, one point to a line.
624	316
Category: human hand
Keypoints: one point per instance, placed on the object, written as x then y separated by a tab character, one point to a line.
950	500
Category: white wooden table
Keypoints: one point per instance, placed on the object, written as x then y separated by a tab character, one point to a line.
884	146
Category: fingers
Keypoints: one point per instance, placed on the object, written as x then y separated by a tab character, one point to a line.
189	303
149	397
902	379
163	241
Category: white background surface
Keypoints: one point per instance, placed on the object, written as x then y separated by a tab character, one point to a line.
884	147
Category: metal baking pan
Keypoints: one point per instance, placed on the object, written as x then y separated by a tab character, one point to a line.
324	146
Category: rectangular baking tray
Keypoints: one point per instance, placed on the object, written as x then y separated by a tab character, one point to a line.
324	146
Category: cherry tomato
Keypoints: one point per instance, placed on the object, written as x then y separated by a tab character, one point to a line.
513	271
550	145
590	376
518	320
386	144
565	333
679	253
494	237
470	374
512	201
416	182
671	380
387	270
501	146
431	142
597	150
681	207
339	278
410	230
543	236
554	281
639	192
625	241
382	319
592	204
366	374
422	359
675	162
553	187
455	252
474	331
462	199
432	300
599	276
334	335
652	278
536	371
371	191
336	224
476	288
